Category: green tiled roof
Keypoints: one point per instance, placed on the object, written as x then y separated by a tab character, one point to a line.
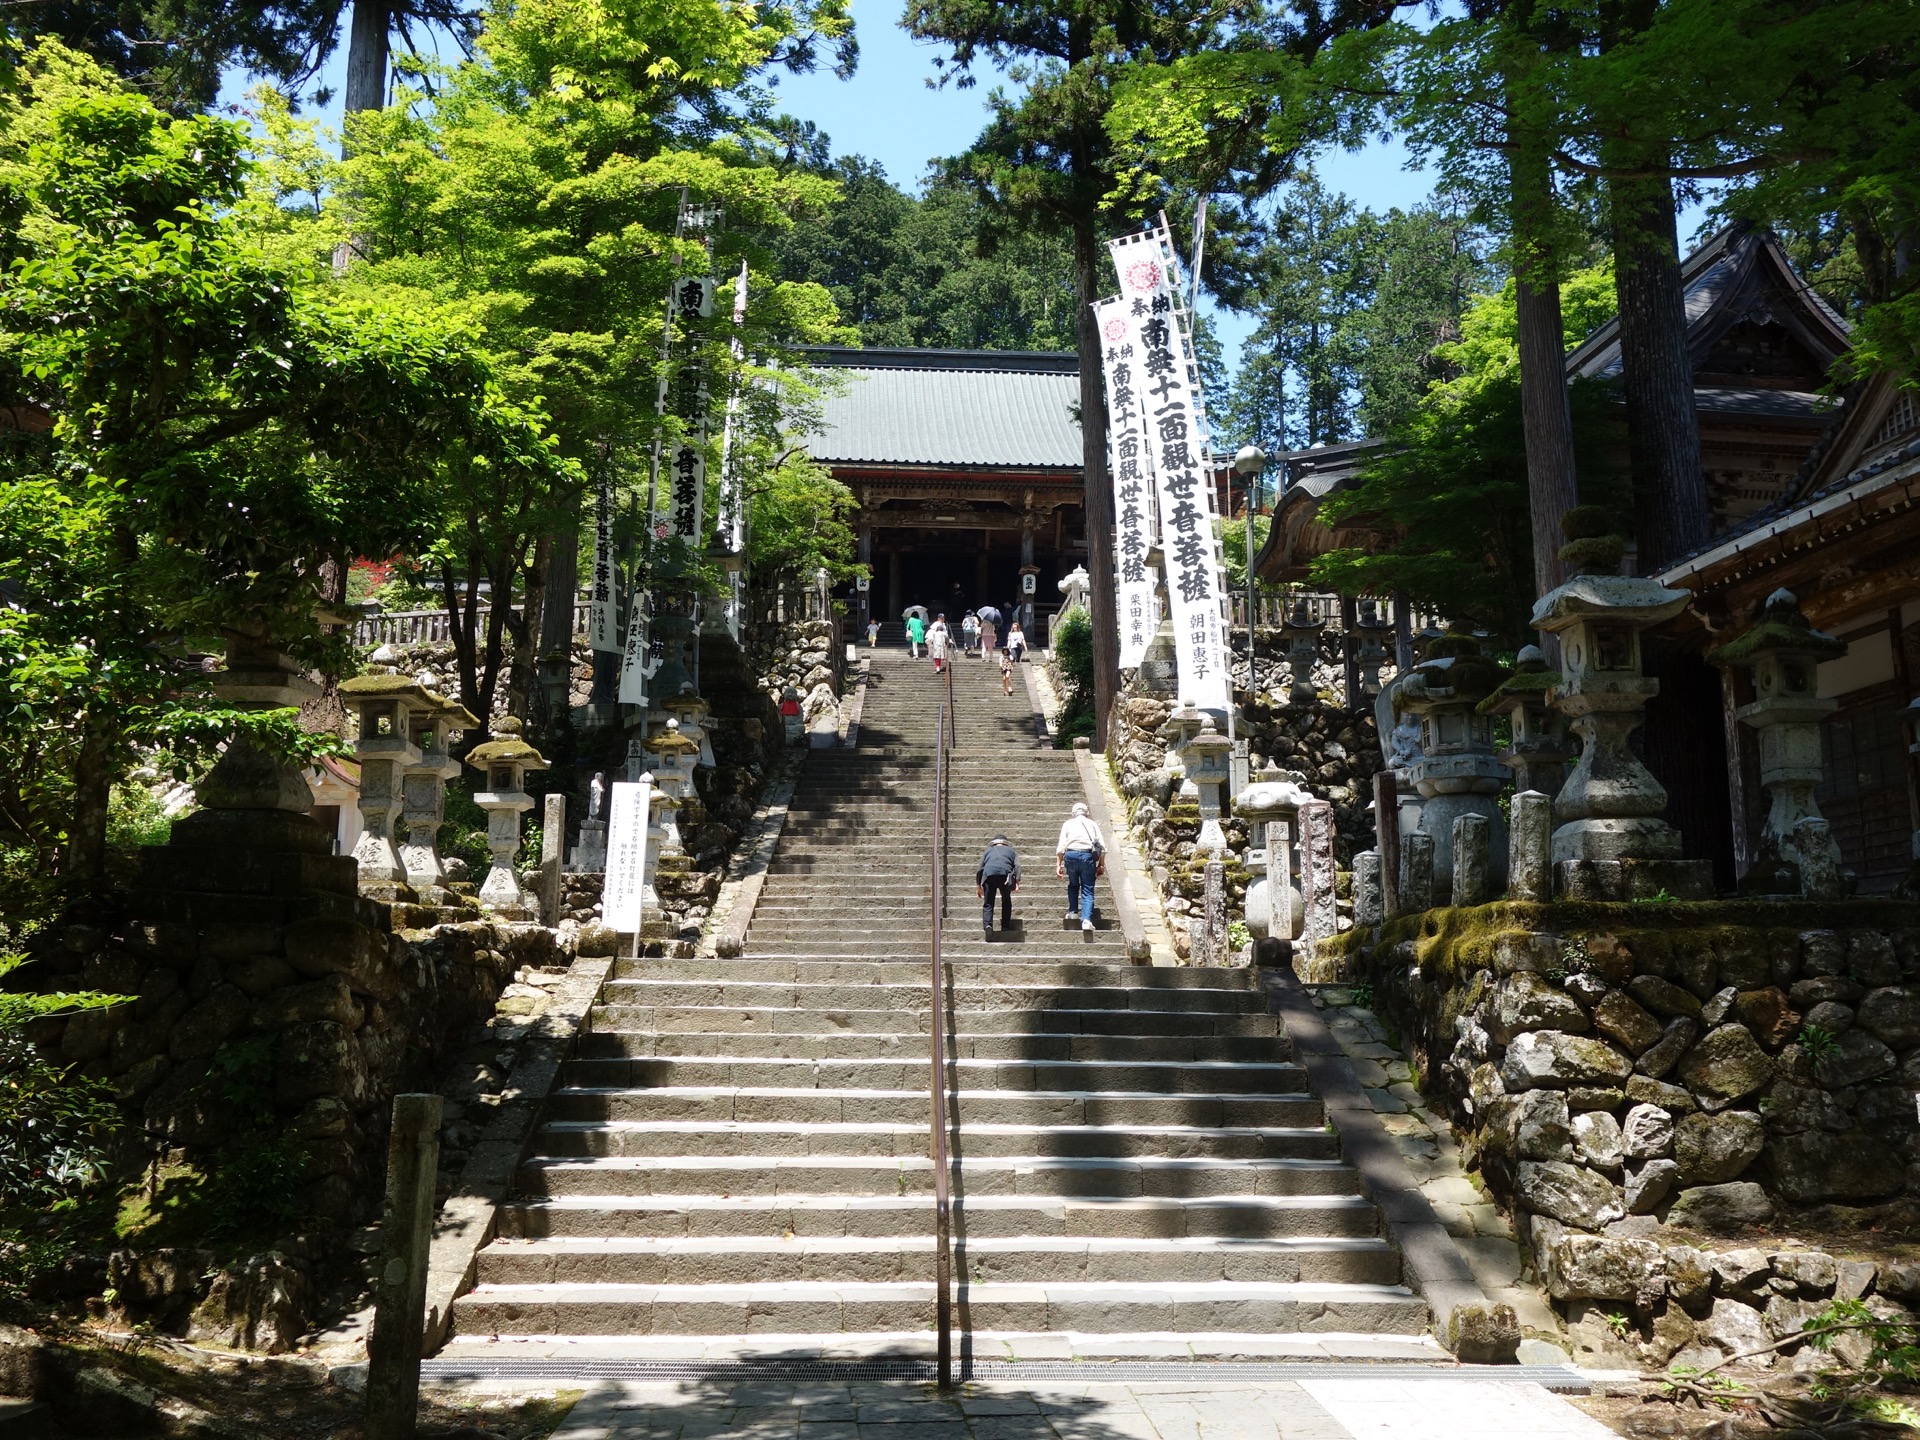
988	408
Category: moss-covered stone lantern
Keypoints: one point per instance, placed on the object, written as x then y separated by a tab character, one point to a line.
1539	746
506	760
1209	762
1457	773
674	758
1783	653
387	708
1610	807
425	793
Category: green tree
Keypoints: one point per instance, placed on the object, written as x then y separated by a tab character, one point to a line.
213	429
1448	502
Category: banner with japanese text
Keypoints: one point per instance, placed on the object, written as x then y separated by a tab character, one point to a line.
1127	463
604	622
1175	421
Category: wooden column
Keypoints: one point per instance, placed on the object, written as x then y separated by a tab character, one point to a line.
400	1286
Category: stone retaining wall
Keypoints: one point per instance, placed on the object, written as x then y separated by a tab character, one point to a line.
1635	1080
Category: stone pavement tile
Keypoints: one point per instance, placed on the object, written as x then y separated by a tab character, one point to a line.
998	1404
1009	1427
1452	1410
1495	1262
1384	1103
914	1430
900	1410
828	1430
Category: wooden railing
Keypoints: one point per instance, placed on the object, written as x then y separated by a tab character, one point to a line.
434	627
1273	608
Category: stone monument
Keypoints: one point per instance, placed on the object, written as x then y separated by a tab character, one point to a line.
1457	773
1269	807
589	855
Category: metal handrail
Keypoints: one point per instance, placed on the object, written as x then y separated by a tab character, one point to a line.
942	1197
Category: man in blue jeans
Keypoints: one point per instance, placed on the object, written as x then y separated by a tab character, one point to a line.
999	871
1076	859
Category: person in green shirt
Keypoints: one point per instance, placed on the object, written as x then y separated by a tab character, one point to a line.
916	634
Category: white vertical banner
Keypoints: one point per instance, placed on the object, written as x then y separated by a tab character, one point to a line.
638	666
628	810
604	624
1177	438
1127	463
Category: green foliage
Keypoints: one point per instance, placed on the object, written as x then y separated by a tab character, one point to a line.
57	1127
1449	496
1072	642
1233	547
1817	1041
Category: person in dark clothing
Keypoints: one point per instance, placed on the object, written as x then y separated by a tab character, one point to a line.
999	872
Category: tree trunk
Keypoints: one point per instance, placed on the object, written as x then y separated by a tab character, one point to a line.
1552	482
1663	433
85	862
529	629
367	56
556	627
1101	602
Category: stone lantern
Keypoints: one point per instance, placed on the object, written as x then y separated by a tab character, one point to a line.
1540	746
1209	764
505	760
387	707
1300	635
691	713
1178	731
425	793
1074	585
1783	654
675	755
1610	807
1372	656
1457	773
1269	807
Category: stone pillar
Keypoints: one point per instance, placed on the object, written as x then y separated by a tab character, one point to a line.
1783	654
1821	877
1457	772
553	845
1472	860
1317	873
1300	634
386	705
1530	856
1369	908
1268	806
1610	807
1416	873
1207	932
506	760
1386	831
1539	747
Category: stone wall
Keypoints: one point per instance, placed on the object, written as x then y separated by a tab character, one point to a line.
799	653
1645	1084
1320	744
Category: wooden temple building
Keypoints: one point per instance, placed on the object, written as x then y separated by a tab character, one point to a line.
1810	491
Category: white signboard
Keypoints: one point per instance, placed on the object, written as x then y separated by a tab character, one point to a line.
1127	463
622	897
604	624
638	666
1177	439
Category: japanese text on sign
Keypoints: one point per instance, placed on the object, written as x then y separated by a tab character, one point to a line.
623	897
1129	463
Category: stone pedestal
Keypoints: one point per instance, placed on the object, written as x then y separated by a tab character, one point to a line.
1783	653
1269	807
1369	907
505	760
1610	808
1457	773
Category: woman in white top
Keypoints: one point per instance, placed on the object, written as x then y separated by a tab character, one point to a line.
1017	642
1076	859
938	639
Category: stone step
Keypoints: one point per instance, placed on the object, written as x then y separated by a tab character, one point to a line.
742	1141
907	998
1166	1217
805	1307
1114	1177
1069	946
1252	1049
712	1019
718	1104
1196	1077
750	1260
760	969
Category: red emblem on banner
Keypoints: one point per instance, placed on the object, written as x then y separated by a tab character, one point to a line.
1143	276
1115	329
662	530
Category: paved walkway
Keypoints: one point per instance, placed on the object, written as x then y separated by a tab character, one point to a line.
1331	1409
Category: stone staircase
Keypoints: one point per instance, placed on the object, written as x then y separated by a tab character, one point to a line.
740	1148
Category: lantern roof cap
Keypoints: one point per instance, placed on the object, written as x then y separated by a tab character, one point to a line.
1781	630
506	745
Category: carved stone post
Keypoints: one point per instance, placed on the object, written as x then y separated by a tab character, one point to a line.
1783	654
1268	806
1317	874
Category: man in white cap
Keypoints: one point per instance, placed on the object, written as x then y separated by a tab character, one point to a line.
1076	859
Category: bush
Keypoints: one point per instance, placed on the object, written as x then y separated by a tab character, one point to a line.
1073	662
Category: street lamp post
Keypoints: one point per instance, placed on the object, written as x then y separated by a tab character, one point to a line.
1250	461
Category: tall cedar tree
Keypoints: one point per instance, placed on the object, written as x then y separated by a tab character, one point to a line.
1047	161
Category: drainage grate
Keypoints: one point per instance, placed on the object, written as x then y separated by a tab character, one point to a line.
1559	1378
